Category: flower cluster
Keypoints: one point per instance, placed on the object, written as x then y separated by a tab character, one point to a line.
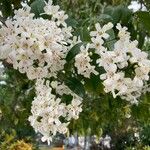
48	110
73	109
127	67
36	46
82	63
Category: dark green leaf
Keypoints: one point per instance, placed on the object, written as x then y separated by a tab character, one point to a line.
105	18
111	40
71	22
126	15
94	85
6	8
141	39
37	7
144	18
66	99
73	52
119	13
85	34
116	14
76	86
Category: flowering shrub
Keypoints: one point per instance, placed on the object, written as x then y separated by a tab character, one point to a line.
124	56
44	49
38	47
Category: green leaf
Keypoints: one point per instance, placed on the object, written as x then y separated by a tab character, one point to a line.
6	8
66	99
85	34
108	10
126	15
119	13
116	14
73	51
141	39
105	18
71	22
94	85
111	40
144	18
76	86
37	7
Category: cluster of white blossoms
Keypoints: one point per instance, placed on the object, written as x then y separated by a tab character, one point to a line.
36	46
82	63
127	67
48	110
73	109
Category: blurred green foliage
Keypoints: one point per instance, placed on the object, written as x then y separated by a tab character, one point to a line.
6	139
16	96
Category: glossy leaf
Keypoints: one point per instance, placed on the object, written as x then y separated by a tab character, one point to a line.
37	7
85	34
76	86
71	22
73	52
144	18
111	40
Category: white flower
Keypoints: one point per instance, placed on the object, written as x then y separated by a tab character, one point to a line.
74	108
106	141
97	43
116	63
46	139
82	63
101	32
47	109
36	46
61	17
123	34
50	9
